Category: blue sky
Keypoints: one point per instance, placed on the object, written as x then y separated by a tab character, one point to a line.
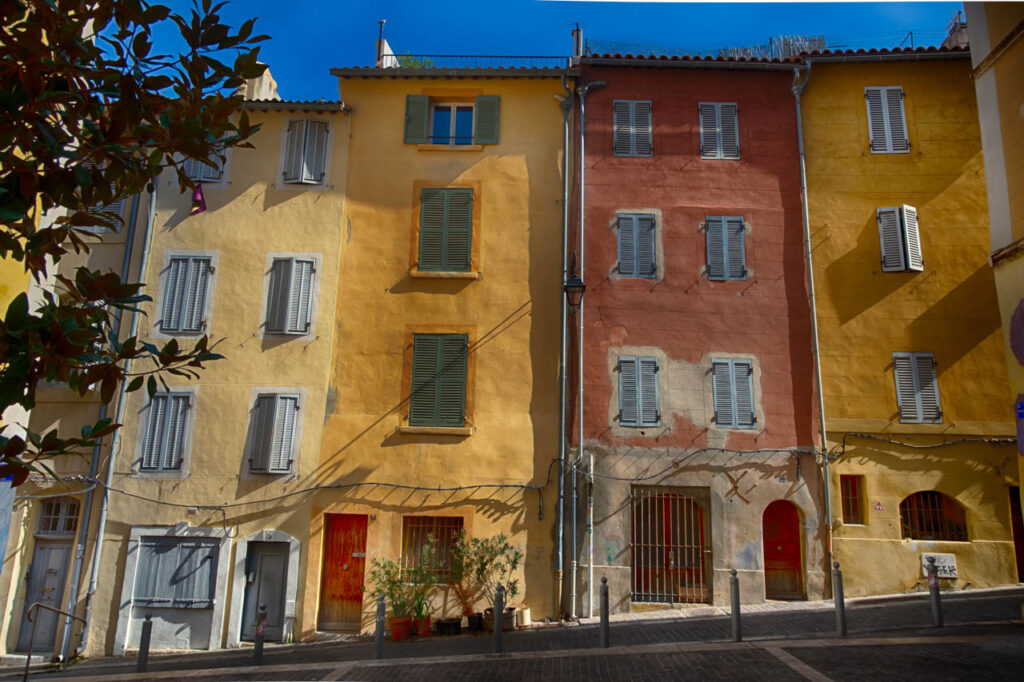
308	37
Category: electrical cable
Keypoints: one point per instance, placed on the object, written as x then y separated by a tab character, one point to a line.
924	446
681	460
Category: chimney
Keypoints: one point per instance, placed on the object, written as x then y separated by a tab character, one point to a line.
957	33
577	42
264	87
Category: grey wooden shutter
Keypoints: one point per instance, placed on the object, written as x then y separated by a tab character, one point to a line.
730	131
417	118
927	388
283	441
177	425
174	294
896	119
890	239
433	215
743	383
649	414
643	143
486	119
200	172
195	573
721	375
314	153
627	245
911	238
906	389
294	145
877	130
278	294
714	232
708	131
451	409
646	256
154	432
194	303
622	128
423	398
300	296
735	248
459	229
262	432
629	385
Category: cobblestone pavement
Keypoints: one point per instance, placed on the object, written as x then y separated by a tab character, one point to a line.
568	652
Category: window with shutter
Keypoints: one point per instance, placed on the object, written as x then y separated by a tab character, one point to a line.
290	296
184	296
438	386
305	157
163	446
274	418
725	238
446	230
917	389
887	120
719	130
899	239
199	171
733	387
637	245
632	128
638	391
174	572
117	208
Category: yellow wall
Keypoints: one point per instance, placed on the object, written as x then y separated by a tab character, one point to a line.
511	311
949	309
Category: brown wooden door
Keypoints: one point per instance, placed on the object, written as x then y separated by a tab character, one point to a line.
783	572
341	590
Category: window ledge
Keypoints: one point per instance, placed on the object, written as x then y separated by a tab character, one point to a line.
428	274
450	147
437	430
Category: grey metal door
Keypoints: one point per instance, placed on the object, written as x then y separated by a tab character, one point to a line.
46	585
266	573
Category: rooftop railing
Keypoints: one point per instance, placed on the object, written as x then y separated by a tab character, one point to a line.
457	61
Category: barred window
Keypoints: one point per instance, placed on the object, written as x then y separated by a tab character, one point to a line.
417	532
930	515
852	490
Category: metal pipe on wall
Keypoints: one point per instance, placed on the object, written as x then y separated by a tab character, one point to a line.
566	105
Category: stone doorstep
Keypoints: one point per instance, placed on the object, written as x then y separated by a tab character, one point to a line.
18	661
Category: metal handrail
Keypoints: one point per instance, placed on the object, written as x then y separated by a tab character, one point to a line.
34	609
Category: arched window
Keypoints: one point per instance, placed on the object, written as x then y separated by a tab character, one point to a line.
930	515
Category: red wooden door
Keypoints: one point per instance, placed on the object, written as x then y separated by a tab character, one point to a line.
341	590
783	572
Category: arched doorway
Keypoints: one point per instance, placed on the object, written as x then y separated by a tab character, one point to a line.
783	563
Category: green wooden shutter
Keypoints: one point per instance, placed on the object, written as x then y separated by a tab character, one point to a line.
451	394
423	398
459	231
417	118
446	230
487	109
433	218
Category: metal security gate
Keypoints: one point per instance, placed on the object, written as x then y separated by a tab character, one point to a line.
670	544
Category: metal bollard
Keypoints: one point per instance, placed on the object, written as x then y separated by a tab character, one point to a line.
837	593
379	632
933	592
605	635
734	588
261	633
142	665
499	612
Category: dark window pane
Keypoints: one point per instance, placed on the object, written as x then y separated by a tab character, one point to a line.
464	125
441	128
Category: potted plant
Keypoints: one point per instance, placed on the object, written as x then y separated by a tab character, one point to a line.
497	563
389	579
463	578
421	614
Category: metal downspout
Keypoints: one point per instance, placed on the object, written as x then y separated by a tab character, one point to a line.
115	441
566	106
94	464
798	88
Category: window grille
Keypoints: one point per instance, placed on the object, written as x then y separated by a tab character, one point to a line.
852	492
417	532
671	545
930	515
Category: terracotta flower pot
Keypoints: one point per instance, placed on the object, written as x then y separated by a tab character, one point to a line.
421	626
400	627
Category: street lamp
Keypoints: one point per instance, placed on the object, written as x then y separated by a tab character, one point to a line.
574	288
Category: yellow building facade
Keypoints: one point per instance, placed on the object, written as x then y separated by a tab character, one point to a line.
450	244
911	349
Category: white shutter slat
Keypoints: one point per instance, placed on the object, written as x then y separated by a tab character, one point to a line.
649	415
177	271
154	432
643	143
628	380
194	303
646	254
721	375
743	381
877	130
621	133
708	131
928	388
177	424
735	256
890	239
294	144
300	297
897	121
728	114
911	238
262	432
627	246
314	153
277	294
715	239
906	389
284	434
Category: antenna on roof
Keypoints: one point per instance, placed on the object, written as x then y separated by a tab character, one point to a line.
380	43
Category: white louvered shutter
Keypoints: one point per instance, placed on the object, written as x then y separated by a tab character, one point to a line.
262	432
911	238
200	172
896	119
715	239
294	145
646	254
906	389
877	130
314	156
721	375
736	256
154	432
628	390
282	443
890	239
622	133
300	296
643	143
627	246
174	293
708	131
743	383
177	423
927	388
194	302
728	115
649	414
278	294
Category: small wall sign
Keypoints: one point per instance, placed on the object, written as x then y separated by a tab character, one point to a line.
879	506
945	565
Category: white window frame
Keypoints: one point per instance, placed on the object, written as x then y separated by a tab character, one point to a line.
211	289
889	145
142	420
332	125
451	132
255	393
719	152
64	505
915	377
314	294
